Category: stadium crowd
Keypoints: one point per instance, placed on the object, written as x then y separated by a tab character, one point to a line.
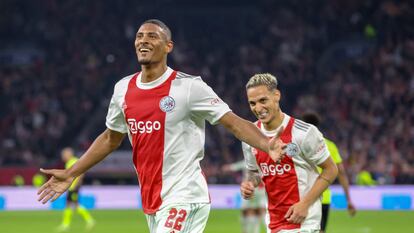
352	62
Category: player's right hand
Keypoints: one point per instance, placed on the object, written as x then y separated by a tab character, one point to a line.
247	189
55	186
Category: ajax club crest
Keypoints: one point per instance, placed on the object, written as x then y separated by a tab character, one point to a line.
167	103
292	150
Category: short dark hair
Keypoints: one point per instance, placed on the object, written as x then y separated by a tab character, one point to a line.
160	24
311	118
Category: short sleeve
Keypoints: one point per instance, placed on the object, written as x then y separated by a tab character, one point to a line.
314	147
249	157
115	119
204	102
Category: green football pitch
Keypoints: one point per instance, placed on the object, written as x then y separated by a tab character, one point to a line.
220	221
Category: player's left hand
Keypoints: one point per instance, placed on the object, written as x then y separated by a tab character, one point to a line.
351	209
277	147
297	213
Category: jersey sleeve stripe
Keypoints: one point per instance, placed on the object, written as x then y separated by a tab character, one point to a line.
301	128
181	75
303	124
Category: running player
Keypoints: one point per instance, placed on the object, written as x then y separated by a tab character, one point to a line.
294	185
163	112
313	119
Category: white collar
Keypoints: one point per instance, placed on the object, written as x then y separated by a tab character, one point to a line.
271	133
154	83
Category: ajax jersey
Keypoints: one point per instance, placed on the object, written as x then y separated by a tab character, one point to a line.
165	122
286	183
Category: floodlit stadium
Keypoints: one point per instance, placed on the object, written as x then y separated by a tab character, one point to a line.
77	74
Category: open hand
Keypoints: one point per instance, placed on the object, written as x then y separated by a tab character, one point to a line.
55	186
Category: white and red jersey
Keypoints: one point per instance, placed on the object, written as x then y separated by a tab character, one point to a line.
165	122
288	182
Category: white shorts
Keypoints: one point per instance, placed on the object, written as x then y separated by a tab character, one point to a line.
257	202
179	218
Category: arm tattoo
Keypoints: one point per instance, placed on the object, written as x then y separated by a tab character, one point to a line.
254	177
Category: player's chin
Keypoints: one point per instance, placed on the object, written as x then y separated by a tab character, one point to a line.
144	61
264	120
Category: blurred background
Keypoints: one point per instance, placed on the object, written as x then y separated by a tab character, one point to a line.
350	61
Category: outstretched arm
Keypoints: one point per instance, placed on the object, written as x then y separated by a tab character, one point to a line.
247	132
343	180
298	212
61	179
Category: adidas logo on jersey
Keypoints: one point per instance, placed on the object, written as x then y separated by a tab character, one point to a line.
143	126
274	169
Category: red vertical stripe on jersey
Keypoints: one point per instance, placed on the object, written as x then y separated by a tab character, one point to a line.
146	122
281	183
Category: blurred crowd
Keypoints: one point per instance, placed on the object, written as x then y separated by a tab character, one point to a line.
351	61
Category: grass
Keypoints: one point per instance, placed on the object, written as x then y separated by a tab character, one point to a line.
220	221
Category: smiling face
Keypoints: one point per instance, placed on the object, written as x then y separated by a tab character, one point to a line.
152	44
264	104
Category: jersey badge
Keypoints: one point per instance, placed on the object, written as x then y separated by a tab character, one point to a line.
167	104
292	150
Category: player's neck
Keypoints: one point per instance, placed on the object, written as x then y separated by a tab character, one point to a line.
152	72
276	122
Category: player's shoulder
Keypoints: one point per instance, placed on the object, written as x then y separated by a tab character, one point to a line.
302	129
122	84
302	126
125	79
194	82
184	76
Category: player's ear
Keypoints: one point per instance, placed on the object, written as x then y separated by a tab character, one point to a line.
277	95
170	46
